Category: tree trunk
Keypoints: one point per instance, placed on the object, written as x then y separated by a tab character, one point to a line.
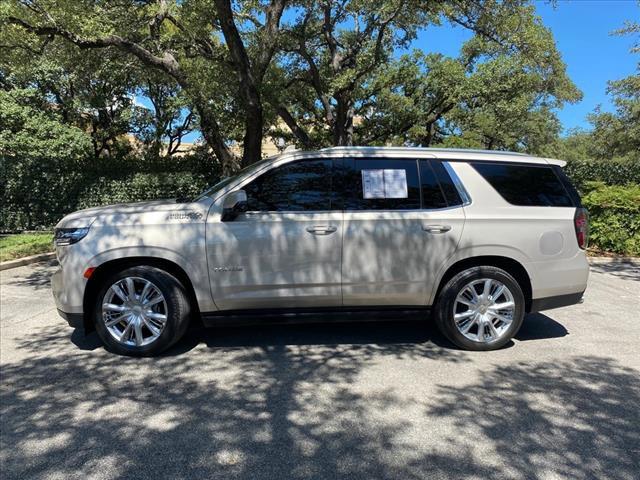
252	144
343	126
428	139
254	122
213	137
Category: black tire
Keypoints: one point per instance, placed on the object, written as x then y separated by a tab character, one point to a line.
443	311
178	311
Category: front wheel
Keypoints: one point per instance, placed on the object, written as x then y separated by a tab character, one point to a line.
480	308
141	311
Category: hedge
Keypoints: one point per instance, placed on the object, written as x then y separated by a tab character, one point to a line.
142	186
37	192
614	217
609	172
611	193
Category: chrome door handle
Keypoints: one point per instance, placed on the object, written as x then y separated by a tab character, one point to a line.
436	228
322	229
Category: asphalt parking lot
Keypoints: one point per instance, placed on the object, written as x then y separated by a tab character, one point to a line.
386	400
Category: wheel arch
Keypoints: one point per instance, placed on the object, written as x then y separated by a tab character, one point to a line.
510	265
111	266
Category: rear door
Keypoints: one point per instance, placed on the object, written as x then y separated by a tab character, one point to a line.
402	219
285	251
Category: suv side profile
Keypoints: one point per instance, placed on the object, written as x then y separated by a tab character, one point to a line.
475	238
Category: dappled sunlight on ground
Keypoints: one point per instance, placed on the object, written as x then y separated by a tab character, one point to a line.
364	400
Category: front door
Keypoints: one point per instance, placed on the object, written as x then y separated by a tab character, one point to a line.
399	228
285	251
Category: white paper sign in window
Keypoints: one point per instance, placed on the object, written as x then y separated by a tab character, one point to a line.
395	183
387	183
373	183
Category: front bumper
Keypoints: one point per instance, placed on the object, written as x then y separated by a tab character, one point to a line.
68	290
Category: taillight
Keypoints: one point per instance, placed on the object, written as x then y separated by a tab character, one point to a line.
581	222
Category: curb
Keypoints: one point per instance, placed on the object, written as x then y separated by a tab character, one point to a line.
635	261
19	262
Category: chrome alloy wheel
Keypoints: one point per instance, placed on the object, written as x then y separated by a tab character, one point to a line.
134	311
484	310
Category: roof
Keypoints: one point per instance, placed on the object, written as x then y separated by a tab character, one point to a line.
442	153
388	152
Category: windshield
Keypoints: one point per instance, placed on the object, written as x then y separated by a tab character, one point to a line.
209	192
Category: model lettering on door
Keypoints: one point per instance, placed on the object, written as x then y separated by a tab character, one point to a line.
232	268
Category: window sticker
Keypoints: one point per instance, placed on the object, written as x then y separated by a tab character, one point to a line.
387	183
395	183
373	183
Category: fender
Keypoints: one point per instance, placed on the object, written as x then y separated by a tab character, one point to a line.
195	270
464	253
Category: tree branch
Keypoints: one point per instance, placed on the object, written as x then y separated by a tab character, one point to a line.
297	130
166	63
269	34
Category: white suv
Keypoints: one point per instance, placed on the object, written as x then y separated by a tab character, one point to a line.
478	238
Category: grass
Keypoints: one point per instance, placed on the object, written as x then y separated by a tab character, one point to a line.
25	244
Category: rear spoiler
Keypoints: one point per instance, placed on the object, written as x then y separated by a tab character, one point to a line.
553	161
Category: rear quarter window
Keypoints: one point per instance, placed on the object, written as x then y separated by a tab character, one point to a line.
526	185
448	187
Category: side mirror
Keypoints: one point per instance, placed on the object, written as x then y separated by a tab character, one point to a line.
233	205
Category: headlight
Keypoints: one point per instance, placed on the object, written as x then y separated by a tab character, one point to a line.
67	236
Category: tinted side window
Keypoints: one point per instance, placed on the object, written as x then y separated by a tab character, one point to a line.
392	173
448	187
298	186
432	195
525	185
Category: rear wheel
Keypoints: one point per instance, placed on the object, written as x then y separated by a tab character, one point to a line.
480	308
141	311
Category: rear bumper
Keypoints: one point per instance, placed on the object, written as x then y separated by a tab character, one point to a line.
560	277
75	320
548	303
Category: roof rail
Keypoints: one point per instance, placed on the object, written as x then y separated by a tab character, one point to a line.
427	149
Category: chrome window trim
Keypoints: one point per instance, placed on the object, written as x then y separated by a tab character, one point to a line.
412	210
464	195
273	212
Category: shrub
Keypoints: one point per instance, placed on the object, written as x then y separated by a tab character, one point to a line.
41	163
47	168
615	217
140	187
38	192
610	172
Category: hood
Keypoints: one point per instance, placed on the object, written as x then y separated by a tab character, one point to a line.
154	211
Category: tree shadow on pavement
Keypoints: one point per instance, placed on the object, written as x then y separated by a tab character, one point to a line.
624	270
39	276
238	408
286	402
576	418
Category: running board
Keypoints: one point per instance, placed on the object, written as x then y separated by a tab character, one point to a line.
318	315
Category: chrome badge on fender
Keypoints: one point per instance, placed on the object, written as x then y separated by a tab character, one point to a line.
184	216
